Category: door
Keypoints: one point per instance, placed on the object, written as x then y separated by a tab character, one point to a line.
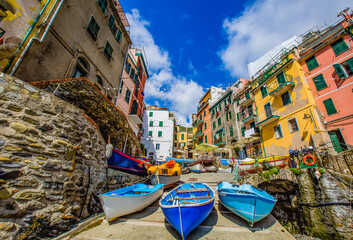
134	107
268	110
335	141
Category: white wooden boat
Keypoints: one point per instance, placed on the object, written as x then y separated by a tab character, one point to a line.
167	180
196	168
129	199
211	168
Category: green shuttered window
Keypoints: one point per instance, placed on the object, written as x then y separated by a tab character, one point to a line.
127	95
312	63
151	123
93	28
319	82
103	5
151	114
159	133
214	125
149	133
161	123
340	71
108	51
231	131
330	107
264	92
219	122
339	46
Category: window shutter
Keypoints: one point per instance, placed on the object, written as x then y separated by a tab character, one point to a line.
227	117
330	107
111	22
350	63
161	123
311	63
340	71
238	117
339	46
151	123
319	82
230	115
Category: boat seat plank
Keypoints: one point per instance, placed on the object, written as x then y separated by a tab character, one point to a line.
192	190
190	198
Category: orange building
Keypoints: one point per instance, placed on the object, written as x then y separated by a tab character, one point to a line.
326	56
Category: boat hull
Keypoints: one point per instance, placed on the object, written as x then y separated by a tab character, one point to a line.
187	209
115	207
167	180
250	168
211	169
196	168
251	208
125	163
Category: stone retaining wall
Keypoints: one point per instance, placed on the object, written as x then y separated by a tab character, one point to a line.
52	163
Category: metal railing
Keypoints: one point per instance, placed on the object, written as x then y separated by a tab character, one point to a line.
275	85
247	114
267	114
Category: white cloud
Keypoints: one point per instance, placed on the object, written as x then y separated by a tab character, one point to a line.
266	23
178	93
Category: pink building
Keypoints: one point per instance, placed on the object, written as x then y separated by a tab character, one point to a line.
326	57
131	90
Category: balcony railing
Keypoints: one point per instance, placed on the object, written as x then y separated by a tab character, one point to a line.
244	101
270	115
219	141
197	123
251	132
247	116
277	88
199	135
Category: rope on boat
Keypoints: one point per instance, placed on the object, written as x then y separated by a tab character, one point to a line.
181	222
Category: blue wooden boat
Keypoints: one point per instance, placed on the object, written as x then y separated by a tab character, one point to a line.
129	199
125	163
187	206
246	201
181	160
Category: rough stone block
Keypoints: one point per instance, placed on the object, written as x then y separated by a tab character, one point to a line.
49	111
31	140
31	112
2	142
14	108
6	226
28	196
19	127
26	155
49	166
5	159
30	88
42	174
24	183
33	131
5	193
12	148
35	145
30	120
42	158
45	128
54	197
50	154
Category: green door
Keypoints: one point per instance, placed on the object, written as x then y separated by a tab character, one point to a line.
335	141
281	79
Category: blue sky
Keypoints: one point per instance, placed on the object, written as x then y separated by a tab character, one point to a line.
192	45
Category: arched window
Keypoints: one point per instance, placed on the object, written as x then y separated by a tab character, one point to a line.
81	69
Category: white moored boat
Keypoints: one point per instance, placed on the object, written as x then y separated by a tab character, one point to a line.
195	168
167	180
129	199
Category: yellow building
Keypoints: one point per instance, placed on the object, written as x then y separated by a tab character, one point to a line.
20	23
180	142
287	114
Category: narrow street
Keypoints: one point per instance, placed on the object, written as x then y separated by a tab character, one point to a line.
150	223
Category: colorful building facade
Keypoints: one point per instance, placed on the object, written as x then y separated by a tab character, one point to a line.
326	57
131	90
286	110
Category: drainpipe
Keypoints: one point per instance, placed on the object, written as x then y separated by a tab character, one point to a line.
262	140
28	32
34	38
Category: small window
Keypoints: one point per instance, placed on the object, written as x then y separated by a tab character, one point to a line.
151	114
206	139
175	144
278	131
127	95
319	82
132	74
99	80
252	125
161	123
182	136
150	133
204	113
108	51
151	123
219	122
103	5
293	125
81	69
340	71
111	22
281	79
238	116
93	28
205	126
109	97
264	91
118	35
286	98
227	117
231	131
230	114
214	125
339	46
312	63
201	117
127	67
247	94
243	129
158	146
159	133
330	107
